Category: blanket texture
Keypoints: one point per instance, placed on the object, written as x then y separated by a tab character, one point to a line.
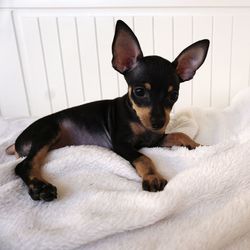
206	204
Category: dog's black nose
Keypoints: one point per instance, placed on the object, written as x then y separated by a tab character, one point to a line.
157	123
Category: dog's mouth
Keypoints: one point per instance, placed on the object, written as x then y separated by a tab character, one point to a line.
159	128
156	125
150	122
160	124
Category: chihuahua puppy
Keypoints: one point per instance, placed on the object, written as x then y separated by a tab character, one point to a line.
126	124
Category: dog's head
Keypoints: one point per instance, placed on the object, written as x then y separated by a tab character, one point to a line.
153	81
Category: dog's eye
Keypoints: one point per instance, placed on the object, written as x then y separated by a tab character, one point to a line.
139	91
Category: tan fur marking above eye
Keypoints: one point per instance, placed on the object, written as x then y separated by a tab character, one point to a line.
147	86
170	88
144	166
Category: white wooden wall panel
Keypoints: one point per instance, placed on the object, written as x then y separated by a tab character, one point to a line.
71	61
89	58
163	36
13	101
59	58
143	28
53	62
240	62
33	66
221	62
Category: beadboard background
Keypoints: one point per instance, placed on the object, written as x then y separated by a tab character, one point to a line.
57	54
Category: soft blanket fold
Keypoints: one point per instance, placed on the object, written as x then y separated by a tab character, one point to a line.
206	204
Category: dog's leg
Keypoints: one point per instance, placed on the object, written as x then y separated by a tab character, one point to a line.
151	180
30	168
178	139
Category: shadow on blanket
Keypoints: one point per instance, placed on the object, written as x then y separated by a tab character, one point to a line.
206	204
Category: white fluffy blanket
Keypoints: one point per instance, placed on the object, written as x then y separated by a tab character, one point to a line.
206	204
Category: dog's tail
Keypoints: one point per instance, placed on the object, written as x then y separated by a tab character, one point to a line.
10	150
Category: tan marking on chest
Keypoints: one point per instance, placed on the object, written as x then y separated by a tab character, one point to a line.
136	128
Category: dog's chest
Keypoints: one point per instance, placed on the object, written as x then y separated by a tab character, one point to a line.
146	140
142	137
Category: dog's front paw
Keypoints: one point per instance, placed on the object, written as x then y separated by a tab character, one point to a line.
179	139
192	146
39	190
153	183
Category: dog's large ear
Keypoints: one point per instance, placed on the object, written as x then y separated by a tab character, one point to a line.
190	59
125	48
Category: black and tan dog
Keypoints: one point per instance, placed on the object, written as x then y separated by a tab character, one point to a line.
126	124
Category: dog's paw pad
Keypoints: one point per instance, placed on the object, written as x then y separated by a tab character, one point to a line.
39	190
153	183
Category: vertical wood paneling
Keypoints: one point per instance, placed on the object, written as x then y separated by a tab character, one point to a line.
221	60
163	37
53	63
66	57
123	87
249	76
33	63
105	33
183	38
202	29
71	63
240	62
143	28
89	58
13	100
